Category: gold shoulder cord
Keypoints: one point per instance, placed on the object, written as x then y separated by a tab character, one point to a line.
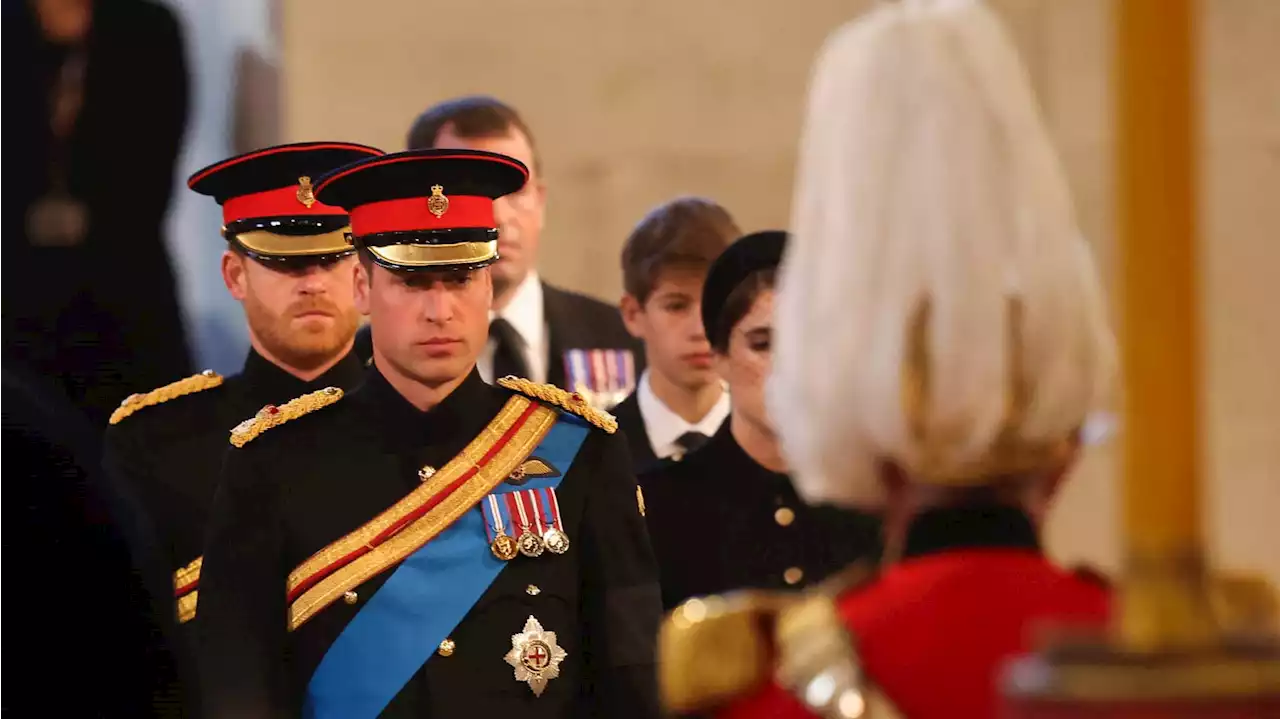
273	416
569	401
207	379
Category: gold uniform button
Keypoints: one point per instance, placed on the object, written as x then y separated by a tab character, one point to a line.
533	590
793	575
446	648
350	597
784	516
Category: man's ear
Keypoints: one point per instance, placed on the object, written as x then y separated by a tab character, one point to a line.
632	315
360	288
233	275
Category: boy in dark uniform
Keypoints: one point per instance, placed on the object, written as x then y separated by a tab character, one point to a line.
429	545
941	341
680	401
289	264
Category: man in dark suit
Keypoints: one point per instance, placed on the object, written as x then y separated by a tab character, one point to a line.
538	330
457	548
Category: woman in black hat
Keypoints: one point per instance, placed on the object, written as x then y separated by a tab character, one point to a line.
726	516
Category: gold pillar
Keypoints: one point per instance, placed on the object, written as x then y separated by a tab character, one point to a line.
1168	657
1164	602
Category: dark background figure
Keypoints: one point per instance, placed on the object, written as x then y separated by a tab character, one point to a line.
95	97
78	631
727	516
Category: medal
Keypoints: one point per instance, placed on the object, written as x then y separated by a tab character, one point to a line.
531	545
557	542
535	656
504	547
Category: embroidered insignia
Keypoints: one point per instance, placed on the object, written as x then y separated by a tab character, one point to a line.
603	376
306	194
207	379
437	204
273	416
571	402
532	468
535	655
640	499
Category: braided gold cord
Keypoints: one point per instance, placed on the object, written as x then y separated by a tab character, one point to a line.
272	416
568	401
207	379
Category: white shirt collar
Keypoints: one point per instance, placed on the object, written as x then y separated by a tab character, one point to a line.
526	314
664	426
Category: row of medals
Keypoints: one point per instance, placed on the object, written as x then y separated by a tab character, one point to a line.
529	543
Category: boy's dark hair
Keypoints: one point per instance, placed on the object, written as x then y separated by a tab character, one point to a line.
470	117
738	304
685	233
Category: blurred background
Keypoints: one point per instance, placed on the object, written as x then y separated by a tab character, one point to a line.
633	103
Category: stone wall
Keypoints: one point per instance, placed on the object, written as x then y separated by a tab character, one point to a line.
635	102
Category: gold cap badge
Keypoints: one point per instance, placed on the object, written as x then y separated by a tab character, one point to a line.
305	194
437	204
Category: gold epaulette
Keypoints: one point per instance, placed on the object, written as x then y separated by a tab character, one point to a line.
714	650
568	401
207	379
273	416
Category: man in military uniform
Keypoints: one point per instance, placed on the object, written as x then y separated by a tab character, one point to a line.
948	387
429	545
290	265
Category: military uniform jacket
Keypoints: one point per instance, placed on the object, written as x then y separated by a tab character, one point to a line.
719	521
164	461
302	485
933	630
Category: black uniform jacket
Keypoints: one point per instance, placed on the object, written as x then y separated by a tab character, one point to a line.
631	423
304	484
719	521
164	462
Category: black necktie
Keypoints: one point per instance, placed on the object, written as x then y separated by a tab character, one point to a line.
690	441
508	354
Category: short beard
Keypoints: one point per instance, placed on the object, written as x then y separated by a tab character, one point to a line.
304	351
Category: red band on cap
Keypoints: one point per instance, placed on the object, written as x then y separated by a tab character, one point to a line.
408	215
274	203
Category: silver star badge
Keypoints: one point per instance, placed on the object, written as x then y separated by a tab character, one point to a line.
535	656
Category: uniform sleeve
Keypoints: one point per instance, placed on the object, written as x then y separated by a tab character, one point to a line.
127	474
241	613
621	603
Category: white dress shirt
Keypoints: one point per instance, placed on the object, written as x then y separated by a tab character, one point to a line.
664	426
526	315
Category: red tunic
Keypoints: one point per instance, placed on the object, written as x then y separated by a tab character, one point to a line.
934	630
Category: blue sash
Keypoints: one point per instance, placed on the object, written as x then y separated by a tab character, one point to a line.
421	603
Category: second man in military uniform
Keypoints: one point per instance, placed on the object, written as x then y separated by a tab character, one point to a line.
289	264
